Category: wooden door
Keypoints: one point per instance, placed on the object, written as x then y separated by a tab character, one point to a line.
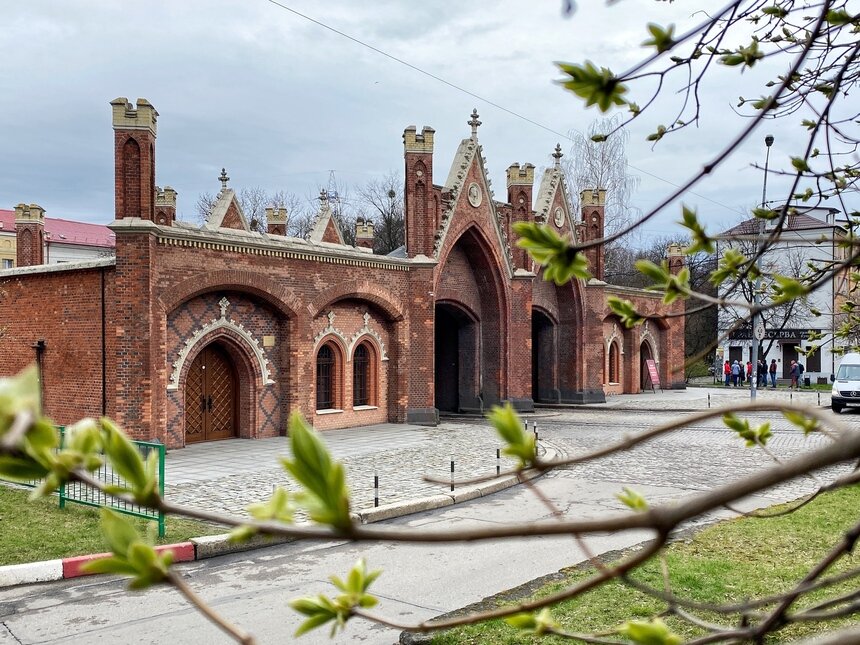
210	397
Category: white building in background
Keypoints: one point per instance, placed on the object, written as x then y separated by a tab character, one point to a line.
810	235
65	240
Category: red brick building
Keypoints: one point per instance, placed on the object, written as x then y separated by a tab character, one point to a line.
203	332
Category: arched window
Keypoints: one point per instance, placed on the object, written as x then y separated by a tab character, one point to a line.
362	376
613	362
326	378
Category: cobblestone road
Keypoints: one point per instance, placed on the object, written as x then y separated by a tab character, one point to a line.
227	476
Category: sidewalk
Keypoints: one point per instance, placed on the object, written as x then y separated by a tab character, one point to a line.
697	398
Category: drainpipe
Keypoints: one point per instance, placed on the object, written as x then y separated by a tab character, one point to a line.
39	346
104	344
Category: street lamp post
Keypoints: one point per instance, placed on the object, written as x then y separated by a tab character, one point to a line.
756	320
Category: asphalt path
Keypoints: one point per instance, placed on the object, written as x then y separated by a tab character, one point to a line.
419	581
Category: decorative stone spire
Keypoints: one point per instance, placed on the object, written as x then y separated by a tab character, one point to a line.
474	122
223	179
323	197
557	155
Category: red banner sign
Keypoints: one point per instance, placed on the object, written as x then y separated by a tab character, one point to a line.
652	372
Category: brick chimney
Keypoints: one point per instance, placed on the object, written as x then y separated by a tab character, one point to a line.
134	158
593	203
276	221
520	182
364	233
420	207
30	235
165	206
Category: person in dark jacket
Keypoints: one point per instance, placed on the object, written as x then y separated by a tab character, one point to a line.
772	371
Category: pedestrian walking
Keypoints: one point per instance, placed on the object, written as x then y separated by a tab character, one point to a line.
727	372
772	371
736	373
761	373
794	373
749	371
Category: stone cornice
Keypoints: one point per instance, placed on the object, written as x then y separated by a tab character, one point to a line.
81	265
252	243
632	291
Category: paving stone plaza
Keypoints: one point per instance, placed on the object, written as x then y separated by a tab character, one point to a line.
226	476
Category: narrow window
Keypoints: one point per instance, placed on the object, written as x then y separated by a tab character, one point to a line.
613	363
325	378
361	376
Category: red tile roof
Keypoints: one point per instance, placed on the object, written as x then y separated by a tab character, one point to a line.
64	231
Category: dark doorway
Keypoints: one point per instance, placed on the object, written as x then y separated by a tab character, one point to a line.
543	358
789	353
456	361
644	376
210	396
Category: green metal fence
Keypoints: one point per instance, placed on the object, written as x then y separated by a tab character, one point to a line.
80	493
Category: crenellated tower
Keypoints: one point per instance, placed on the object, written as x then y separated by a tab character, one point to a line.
520	181
134	130
30	235
593	203
420	205
165	206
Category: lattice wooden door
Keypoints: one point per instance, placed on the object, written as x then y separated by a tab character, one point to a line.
210	397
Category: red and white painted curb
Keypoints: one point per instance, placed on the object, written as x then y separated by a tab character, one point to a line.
210	546
21	574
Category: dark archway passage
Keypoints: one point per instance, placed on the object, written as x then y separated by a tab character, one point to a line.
456	360
544	359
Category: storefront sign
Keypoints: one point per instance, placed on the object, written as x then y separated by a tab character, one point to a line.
745	333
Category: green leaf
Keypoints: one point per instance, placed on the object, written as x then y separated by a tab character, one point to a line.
21	469
633	500
700	241
757	436
322	609
561	261
520	444
661	39
111	564
279	507
598	87
800	164
324	496
537	624
805	423
839	17
626	311
118	531
654	632
123	456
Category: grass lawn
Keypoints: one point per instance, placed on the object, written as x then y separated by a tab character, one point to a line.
40	530
728	562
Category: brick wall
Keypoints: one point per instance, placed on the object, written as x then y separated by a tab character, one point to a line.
63	308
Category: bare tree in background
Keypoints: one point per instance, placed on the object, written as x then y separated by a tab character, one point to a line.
255	200
604	165
383	199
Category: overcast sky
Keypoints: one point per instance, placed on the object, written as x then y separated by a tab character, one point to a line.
280	101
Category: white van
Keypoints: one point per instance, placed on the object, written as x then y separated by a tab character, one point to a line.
846	388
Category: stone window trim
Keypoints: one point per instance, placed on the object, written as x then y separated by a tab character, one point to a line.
331	378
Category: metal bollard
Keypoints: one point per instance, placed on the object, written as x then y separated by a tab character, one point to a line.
709	400
498	461
375	490
534	428
819	399
452	473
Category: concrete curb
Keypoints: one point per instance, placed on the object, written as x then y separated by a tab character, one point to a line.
211	546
